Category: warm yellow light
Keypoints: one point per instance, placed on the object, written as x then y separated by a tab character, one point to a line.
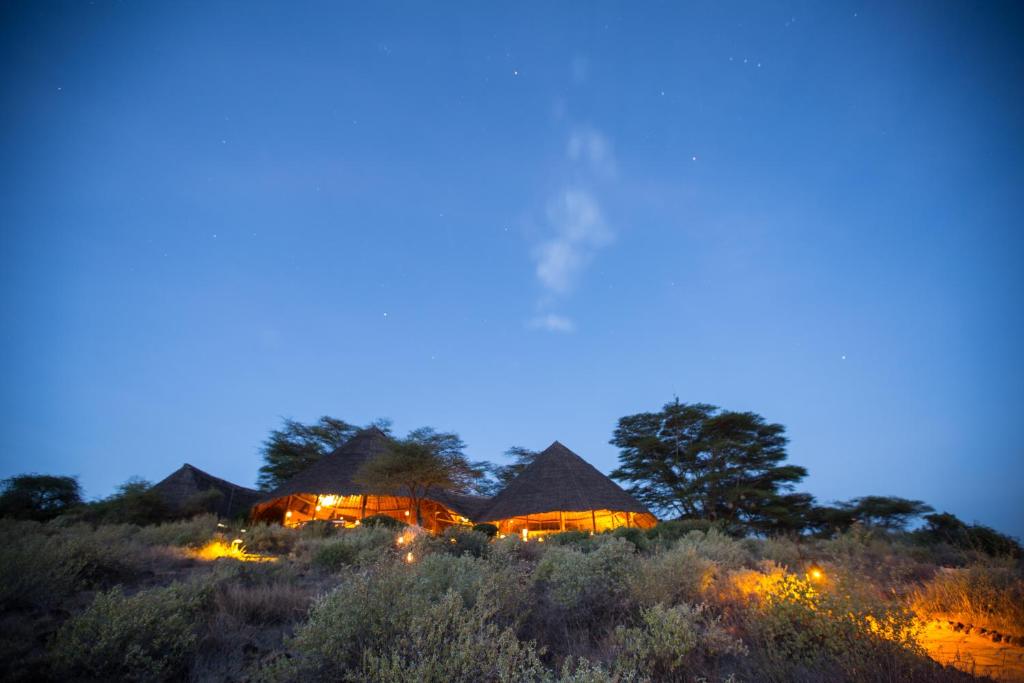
409	557
406	513
288	514
454	541
526	534
318	508
816	574
540	540
328	501
357	522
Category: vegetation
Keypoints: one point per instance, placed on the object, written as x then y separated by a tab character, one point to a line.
38	496
425	459
697	460
679	602
296	446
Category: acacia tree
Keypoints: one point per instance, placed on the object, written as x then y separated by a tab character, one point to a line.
296	446
697	460
425	459
501	475
38	496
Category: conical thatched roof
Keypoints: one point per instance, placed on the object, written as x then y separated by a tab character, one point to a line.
334	473
181	488
558	479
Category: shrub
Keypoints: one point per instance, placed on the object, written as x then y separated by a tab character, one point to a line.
318	528
438	574
352	547
187	532
674	529
148	636
369	610
782	551
270	538
634	535
714	545
673	643
986	595
840	631
577	538
462	541
384	521
41	566
580	591
451	643
671	577
488	530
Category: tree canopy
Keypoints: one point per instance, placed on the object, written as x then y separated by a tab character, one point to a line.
698	460
423	460
296	446
38	496
499	476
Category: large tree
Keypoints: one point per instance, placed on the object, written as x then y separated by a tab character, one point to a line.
38	496
698	460
296	446
423	460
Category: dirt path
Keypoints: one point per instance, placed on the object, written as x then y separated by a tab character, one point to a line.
973	652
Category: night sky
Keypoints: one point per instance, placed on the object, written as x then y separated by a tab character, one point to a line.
519	222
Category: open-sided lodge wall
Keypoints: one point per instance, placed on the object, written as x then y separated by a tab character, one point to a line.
586	520
349	511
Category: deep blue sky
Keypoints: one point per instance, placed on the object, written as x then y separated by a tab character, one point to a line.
518	222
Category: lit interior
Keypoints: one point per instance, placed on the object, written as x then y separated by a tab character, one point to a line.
348	511
586	520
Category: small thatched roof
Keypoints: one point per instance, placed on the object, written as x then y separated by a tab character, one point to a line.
558	479
335	472
182	486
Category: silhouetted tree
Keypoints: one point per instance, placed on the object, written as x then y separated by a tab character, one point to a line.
697	460
886	512
38	496
499	476
423	460
296	446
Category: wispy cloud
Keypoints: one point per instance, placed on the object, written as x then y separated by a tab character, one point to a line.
580	230
593	149
575	224
552	322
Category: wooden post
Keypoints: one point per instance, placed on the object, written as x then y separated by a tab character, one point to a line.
629	520
561	521
362	513
593	520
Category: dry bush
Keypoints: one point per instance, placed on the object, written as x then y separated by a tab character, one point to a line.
187	532
453	643
677	643
842	631
672	576
145	637
361	546
987	595
42	566
724	550
270	538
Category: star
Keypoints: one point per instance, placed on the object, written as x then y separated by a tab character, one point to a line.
843	357
515	72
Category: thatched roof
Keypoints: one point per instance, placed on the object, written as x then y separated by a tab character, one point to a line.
558	479
182	486
334	473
